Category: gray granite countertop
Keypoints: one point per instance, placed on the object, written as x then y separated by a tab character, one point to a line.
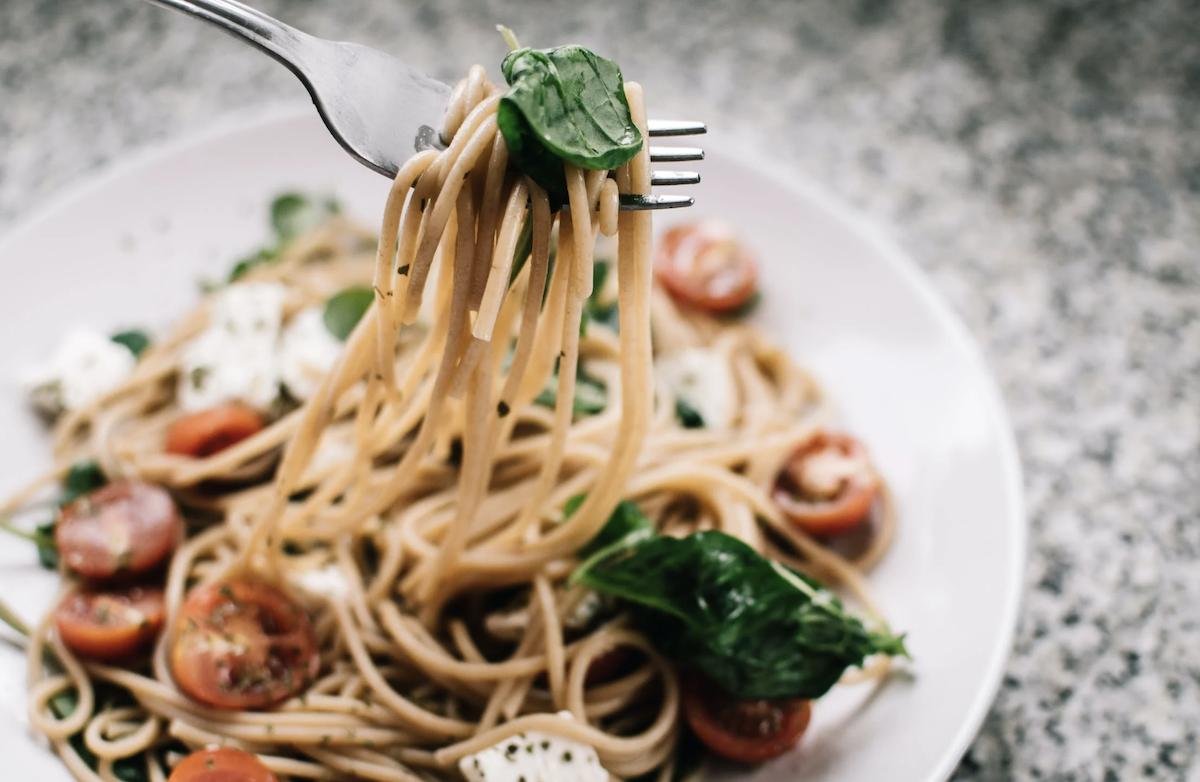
1039	158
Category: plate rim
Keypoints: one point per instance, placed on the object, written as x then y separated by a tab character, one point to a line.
739	151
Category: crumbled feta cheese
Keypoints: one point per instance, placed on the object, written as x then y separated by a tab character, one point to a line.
235	357
84	366
701	378
307	353
535	757
327	581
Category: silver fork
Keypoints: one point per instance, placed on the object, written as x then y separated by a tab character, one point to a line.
383	111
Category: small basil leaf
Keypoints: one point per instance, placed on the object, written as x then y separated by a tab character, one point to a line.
573	505
688	416
565	103
345	309
243	266
83	477
47	547
135	339
293	214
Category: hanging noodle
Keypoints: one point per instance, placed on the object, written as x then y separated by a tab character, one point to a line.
404	690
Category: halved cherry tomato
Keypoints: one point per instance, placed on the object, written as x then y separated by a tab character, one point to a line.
703	265
743	731
828	486
124	527
211	431
242	645
110	626
222	764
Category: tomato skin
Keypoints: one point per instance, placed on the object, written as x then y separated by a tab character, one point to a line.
242	645
743	731
221	764
703	265
212	431
110	626
851	502
126	527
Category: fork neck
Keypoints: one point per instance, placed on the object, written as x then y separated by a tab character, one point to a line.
272	36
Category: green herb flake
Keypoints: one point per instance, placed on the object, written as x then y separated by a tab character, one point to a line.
345	309
503	409
688	416
135	339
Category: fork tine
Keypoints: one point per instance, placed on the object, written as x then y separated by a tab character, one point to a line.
667	178
675	154
675	127
643	202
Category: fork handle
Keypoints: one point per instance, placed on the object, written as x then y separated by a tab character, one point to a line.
286	44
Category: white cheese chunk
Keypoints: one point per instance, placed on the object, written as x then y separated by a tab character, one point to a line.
701	378
327	581
85	365
535	757
234	359
307	352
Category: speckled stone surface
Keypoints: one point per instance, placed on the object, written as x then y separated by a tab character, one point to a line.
1041	160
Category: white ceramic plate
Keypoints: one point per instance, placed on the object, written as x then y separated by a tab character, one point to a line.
128	248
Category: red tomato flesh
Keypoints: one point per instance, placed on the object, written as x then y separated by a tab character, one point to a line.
703	265
222	764
110	626
127	527
242	645
212	431
743	731
828	486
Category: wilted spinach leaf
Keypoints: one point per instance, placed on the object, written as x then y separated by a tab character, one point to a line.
565	103
712	603
626	526
345	309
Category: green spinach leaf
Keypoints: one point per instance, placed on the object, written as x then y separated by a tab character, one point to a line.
625	527
565	103
135	339
712	603
345	309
